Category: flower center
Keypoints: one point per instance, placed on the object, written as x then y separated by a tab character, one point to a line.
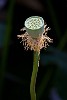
34	22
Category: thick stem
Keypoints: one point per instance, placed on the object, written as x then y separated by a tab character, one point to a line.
34	76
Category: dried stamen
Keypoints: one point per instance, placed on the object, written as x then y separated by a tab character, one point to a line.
35	44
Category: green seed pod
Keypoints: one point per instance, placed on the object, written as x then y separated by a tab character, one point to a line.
34	26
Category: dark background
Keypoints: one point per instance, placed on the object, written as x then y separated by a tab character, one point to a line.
16	64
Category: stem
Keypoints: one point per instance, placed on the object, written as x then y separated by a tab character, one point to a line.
34	76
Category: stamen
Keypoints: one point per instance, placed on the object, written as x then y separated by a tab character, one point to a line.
36	44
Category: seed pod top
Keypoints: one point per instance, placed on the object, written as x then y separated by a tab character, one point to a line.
34	26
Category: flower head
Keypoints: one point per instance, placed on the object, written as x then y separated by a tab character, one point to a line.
35	37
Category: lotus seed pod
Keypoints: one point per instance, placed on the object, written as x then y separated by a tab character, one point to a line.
34	26
35	38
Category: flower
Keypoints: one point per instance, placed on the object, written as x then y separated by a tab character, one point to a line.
35	37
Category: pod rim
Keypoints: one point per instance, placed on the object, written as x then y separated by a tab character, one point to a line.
34	17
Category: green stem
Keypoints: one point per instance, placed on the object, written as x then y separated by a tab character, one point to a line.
34	76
